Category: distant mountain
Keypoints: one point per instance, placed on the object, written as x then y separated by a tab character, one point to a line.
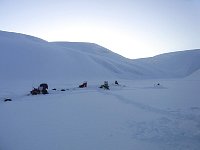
175	64
24	57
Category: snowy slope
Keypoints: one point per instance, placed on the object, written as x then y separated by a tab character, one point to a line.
175	64
25	57
125	68
195	75
169	65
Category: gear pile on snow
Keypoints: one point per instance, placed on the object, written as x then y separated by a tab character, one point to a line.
83	85
105	86
42	89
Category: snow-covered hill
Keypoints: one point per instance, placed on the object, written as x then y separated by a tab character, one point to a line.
175	64
24	57
28	58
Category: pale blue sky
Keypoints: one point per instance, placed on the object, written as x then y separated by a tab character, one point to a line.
132	28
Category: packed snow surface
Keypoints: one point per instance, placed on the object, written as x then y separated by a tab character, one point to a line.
132	115
151	108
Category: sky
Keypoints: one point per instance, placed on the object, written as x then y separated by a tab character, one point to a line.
131	28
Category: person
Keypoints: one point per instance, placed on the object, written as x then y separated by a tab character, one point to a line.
116	82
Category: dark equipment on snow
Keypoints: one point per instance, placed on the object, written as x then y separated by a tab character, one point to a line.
63	90
42	89
35	91
116	82
105	86
7	99
44	85
83	85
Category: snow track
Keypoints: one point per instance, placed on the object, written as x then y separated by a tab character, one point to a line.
170	113
135	116
176	129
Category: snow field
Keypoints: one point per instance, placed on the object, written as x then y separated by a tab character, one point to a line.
135	116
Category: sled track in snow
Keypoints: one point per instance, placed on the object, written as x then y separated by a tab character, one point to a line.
153	109
168	129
